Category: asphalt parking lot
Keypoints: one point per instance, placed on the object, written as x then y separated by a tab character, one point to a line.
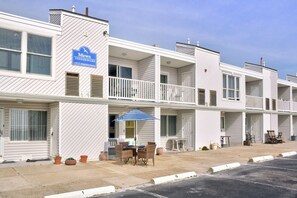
276	178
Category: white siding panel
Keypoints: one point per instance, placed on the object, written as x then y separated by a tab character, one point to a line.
83	129
208	125
186	50
172	74
284	126
146	69
233	127
145	129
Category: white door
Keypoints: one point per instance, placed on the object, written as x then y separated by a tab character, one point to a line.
1	134
188	130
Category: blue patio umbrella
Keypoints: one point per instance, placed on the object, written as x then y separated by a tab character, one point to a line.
135	115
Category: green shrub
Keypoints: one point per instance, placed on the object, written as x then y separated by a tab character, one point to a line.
204	148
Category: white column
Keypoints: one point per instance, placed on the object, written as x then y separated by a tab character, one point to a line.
243	115
157	125
157	77
196	136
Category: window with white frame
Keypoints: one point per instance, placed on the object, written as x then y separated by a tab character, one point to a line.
168	125
39	54
231	87
28	125
10	50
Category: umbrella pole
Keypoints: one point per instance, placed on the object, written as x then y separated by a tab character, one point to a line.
135	125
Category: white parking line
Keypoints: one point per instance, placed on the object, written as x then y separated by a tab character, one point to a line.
150	193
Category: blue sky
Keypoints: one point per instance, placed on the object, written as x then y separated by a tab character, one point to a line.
242	31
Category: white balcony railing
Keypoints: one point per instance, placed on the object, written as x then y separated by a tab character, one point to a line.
294	106
177	93
254	102
123	88
283	105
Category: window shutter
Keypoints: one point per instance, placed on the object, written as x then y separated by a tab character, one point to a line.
72	84
97	86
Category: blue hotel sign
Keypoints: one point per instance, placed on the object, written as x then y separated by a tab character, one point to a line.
84	57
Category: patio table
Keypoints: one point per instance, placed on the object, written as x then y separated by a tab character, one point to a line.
176	142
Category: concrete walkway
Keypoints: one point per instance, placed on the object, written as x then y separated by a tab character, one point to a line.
40	179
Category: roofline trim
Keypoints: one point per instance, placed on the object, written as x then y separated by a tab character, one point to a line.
198	47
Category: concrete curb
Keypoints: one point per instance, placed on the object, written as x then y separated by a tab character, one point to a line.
288	154
84	193
170	178
261	158
224	167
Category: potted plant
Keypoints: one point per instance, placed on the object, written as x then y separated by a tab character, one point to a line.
70	161
57	159
103	156
83	158
160	151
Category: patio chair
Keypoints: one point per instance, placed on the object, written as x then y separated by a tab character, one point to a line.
251	138
123	155
280	137
147	153
271	139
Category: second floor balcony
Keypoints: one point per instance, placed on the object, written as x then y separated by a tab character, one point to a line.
283	105
131	89
254	102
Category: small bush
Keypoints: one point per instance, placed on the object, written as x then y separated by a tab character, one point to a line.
204	148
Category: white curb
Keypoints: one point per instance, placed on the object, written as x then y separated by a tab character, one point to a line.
261	158
161	180
224	167
170	178
186	175
288	154
84	193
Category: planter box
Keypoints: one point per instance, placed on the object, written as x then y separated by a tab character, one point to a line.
70	162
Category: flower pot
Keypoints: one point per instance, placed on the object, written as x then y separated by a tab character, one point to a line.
83	158
103	156
160	151
57	160
70	162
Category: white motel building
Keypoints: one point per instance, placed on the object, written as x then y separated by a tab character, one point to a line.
63	82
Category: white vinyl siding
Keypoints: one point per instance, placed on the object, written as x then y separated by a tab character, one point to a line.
10	50
231	87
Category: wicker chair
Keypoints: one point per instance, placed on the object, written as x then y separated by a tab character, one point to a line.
123	155
147	153
271	139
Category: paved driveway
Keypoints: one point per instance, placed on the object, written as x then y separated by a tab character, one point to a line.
277	178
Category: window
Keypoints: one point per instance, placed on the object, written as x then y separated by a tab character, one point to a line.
130	129
201	96
213	98
72	84
163	78
168	125
273	104
231	87
267	101
39	54
96	86
10	50
27	125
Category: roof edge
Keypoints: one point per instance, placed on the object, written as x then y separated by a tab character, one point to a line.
62	10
